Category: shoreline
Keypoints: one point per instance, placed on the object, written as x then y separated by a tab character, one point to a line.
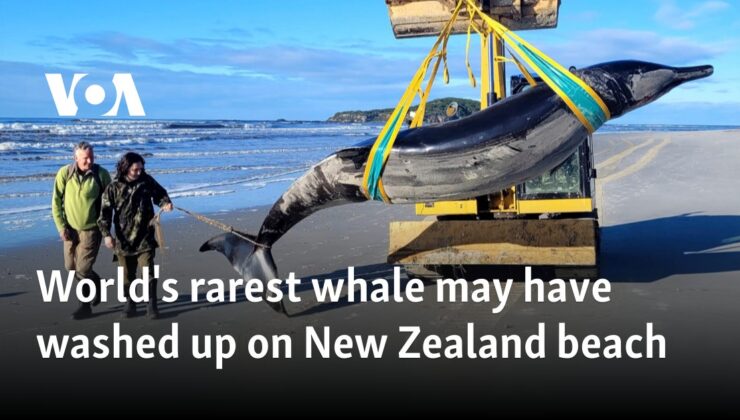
175	217
42	229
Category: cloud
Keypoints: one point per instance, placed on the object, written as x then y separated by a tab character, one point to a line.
236	32
218	78
186	94
339	65
671	15
207	78
585	16
122	45
620	44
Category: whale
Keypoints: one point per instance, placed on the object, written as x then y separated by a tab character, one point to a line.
510	142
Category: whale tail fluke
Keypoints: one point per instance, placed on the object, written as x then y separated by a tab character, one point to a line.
249	260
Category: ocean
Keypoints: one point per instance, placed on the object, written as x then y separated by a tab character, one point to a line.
207	166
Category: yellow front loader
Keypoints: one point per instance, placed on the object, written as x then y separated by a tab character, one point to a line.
549	223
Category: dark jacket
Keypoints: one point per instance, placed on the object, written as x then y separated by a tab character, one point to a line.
128	206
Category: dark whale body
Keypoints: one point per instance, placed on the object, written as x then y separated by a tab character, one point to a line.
510	142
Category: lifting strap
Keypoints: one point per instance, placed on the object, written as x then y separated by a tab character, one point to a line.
580	98
372	185
585	103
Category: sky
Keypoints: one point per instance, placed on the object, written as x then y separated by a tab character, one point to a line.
306	60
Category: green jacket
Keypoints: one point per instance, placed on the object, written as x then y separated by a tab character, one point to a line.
127	206
75	201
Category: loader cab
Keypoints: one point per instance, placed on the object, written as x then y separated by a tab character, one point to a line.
573	179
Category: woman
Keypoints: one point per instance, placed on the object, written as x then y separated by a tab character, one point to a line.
127	204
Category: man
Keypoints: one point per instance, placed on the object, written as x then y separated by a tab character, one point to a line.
127	204
75	205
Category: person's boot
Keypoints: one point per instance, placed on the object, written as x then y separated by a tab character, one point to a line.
129	308
151	310
84	310
96	299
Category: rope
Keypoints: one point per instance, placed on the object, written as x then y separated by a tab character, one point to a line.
158	228
207	220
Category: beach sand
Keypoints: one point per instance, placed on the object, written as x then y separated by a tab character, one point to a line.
670	214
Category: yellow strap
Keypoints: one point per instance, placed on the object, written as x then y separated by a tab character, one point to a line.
421	109
401	109
441	57
445	73
514	40
471	76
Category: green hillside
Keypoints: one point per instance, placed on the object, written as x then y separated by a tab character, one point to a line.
435	112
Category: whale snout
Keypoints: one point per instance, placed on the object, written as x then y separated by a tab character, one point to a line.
687	74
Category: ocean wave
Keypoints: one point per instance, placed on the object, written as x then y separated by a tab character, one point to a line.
25	178
19	210
256	178
168	171
194	125
200	169
12	146
202	193
20	224
259	125
220	153
204	189
19	126
25	194
206	129
188	190
263	184
65	156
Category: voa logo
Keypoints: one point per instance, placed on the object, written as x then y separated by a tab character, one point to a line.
64	98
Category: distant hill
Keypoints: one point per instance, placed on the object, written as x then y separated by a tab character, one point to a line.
435	112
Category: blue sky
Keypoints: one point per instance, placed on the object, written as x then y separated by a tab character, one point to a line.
309	59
